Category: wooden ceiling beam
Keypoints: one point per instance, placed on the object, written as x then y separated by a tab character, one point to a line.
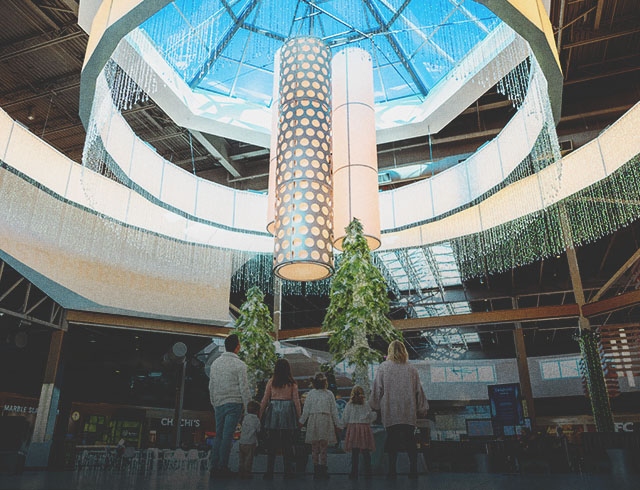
609	305
618	274
469	319
147	324
604	37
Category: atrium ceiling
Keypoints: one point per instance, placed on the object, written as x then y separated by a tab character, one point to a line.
41	54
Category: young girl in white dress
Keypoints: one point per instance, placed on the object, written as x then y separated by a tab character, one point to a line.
321	415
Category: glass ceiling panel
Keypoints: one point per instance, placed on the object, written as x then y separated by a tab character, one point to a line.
228	46
421	274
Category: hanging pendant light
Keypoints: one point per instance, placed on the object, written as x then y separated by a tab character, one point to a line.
355	159
303	249
275	113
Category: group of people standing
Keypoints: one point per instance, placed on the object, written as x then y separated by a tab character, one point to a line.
396	395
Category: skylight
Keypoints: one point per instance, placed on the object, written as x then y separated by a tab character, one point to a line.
227	46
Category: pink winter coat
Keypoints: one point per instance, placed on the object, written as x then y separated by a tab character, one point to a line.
397	393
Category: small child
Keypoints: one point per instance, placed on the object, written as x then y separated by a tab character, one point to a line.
321	414
357	417
249	439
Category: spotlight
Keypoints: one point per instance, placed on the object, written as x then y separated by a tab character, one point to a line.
31	115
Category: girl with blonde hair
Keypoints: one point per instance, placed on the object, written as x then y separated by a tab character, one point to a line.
397	393
357	418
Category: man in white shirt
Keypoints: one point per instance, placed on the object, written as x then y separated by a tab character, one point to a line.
229	393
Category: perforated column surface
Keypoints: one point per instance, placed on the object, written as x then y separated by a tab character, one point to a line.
275	113
303	249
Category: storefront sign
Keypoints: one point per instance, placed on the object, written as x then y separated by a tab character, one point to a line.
623	426
75	416
20	409
168	422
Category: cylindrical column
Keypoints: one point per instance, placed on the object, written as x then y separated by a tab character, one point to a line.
303	249
275	114
355	159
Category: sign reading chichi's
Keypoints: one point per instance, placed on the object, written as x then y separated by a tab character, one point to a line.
168	422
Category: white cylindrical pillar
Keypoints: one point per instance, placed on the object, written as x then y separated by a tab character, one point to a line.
355	159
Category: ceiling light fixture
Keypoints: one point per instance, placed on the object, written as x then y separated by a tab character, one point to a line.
303	249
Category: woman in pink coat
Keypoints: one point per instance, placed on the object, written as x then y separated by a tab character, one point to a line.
398	395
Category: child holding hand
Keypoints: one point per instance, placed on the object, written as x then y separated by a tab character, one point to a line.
249	439
357	418
321	415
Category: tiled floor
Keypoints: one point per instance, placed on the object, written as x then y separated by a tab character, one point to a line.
200	481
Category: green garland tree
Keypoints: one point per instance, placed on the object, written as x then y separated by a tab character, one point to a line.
254	327
596	383
358	307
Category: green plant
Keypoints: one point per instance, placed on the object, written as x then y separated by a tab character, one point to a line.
596	384
358	307
254	327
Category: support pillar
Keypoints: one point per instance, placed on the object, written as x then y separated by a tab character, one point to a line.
44	426
523	369
181	370
277	306
596	383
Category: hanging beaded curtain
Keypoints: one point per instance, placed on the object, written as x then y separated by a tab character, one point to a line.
303	224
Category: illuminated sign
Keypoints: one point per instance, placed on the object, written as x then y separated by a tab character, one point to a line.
20	409
168	422
623	426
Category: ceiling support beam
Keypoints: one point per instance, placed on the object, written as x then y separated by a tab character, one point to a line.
146	324
560	25
217	147
574	269
618	274
30	319
604	74
598	39
265	32
523	315
612	304
404	59
224	41
54	90
606	253
523	367
11	53
598	19
397	14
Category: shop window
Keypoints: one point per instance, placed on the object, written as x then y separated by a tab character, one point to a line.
560	368
463	374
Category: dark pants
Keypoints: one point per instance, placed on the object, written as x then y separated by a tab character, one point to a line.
227	417
355	461
401	437
246	458
280	439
